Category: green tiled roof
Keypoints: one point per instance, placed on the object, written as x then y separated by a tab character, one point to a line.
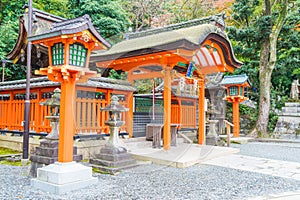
219	18
235	79
194	35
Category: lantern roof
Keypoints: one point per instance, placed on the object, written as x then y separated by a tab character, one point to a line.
241	79
69	27
114	106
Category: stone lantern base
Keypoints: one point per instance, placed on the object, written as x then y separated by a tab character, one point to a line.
212	136
46	154
113	159
59	178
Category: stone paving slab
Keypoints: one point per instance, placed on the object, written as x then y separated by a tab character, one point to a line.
181	156
260	165
281	196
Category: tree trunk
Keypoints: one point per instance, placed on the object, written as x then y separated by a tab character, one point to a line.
267	64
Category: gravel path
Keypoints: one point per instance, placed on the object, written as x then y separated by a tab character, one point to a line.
159	182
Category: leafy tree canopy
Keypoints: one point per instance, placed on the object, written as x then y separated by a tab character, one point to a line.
107	16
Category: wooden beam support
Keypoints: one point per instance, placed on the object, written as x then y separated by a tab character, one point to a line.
201	107
149	75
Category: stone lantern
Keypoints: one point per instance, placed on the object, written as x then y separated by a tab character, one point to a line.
69	44
54	104
114	122
235	87
113	156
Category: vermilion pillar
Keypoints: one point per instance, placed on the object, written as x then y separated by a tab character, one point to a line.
236	118
167	108
130	114
67	123
201	125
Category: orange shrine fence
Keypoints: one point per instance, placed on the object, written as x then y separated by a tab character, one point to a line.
89	118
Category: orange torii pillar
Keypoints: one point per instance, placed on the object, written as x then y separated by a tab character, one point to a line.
236	117
167	107
201	107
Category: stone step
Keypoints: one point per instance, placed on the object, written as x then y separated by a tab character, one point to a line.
111	163
291	110
113	157
49	143
42	159
289	119
292	104
47	152
50	152
114	170
49	160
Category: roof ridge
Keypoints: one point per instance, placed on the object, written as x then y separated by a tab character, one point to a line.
32	80
35	10
85	18
219	18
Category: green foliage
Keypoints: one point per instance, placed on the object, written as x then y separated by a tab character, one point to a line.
114	74
55	7
8	36
107	16
273	118
6	151
250	28
11	163
297	72
143	86
243	11
288	46
10	10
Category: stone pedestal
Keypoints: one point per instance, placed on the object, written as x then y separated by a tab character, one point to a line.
113	159
47	153
212	136
59	178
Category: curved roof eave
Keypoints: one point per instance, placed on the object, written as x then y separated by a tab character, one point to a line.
70	27
21	42
13	54
187	38
155	41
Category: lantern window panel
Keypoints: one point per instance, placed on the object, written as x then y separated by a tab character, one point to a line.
241	91
233	91
78	55
57	54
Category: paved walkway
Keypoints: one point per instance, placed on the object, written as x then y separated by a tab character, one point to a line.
282	196
182	155
272	167
260	165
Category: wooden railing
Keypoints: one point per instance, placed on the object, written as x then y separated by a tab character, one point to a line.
228	127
